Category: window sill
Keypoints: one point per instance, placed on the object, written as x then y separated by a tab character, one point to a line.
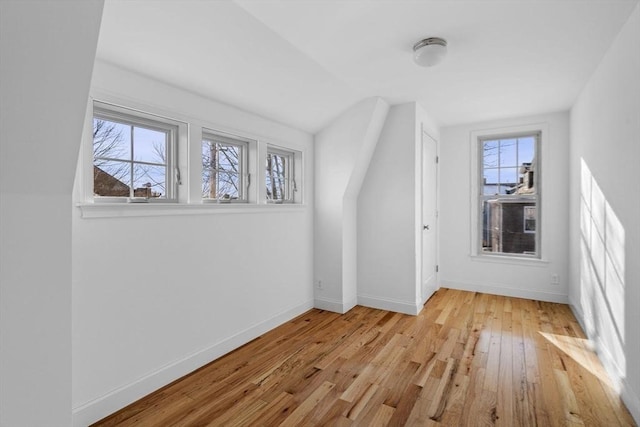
506	259
124	210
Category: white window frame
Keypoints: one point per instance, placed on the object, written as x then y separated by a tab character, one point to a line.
224	138
132	117
476	186
291	187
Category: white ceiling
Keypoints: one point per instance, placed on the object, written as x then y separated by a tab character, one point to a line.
304	62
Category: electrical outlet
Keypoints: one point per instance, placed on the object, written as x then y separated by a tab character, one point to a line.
319	284
555	279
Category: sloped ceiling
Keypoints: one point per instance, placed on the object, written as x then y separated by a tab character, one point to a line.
304	62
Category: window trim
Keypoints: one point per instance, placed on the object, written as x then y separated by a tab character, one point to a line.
132	117
476	179
244	173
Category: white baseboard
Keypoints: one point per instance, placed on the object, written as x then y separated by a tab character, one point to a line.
389	304
428	294
507	292
333	305
629	396
99	408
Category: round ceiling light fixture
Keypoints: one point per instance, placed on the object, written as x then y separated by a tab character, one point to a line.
429	52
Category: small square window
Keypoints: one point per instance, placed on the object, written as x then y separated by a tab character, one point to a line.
223	168
132	156
279	175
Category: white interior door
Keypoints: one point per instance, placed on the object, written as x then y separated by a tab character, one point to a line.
429	215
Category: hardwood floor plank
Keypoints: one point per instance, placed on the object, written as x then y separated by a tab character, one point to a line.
523	403
301	411
335	415
455	402
362	402
274	412
439	399
382	417
492	373
569	403
505	404
405	406
467	359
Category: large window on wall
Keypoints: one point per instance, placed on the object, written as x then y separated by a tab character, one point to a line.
509	196
133	156
224	164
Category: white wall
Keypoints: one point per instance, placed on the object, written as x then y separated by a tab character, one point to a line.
47	51
389	250
343	151
156	297
605	210
527	279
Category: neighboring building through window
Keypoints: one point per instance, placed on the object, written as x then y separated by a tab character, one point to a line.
509	194
279	175
223	168
135	154
132	155
530	214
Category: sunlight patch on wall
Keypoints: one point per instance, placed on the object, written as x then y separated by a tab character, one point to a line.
602	269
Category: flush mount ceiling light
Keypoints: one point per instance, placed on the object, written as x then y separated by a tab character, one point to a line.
429	52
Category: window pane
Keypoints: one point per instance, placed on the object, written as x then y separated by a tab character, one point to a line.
508	153
208	184
491	182
221	170
149	181
508	178
208	154
149	145
508	221
526	150
490	154
276	175
509	227
111	179
228	185
134	148
275	188
111	140
229	156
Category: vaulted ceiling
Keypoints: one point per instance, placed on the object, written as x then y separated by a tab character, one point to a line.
304	62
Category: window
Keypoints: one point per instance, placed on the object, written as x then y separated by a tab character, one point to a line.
133	156
279	175
223	168
509	194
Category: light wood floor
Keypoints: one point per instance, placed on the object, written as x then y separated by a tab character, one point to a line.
467	360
